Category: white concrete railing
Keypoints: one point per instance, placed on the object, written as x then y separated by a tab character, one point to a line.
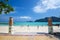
4	29
17	29
56	29
39	29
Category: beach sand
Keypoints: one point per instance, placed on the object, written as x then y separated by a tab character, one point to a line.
27	37
5	36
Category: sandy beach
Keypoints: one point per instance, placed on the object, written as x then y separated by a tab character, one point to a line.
36	37
26	33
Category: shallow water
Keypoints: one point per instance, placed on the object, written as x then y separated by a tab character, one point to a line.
30	23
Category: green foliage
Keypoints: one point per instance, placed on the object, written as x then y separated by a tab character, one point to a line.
5	7
6	0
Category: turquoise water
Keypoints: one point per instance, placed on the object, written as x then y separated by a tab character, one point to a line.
34	23
30	23
4	24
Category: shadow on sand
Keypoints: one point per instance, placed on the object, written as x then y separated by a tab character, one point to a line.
57	35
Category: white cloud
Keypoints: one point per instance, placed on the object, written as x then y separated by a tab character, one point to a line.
25	17
45	5
38	9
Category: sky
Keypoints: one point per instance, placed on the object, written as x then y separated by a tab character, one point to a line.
30	10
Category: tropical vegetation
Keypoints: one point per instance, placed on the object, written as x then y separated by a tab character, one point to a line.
5	7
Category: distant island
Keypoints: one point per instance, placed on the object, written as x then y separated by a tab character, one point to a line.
54	19
29	21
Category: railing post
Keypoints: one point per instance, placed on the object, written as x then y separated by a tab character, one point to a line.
50	28
10	24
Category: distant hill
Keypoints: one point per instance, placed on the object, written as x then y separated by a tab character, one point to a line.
29	21
54	19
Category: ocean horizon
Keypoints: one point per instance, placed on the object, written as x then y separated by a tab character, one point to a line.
28	23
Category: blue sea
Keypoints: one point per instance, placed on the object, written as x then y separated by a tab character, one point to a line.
29	23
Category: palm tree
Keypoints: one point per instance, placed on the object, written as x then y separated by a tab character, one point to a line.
5	7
